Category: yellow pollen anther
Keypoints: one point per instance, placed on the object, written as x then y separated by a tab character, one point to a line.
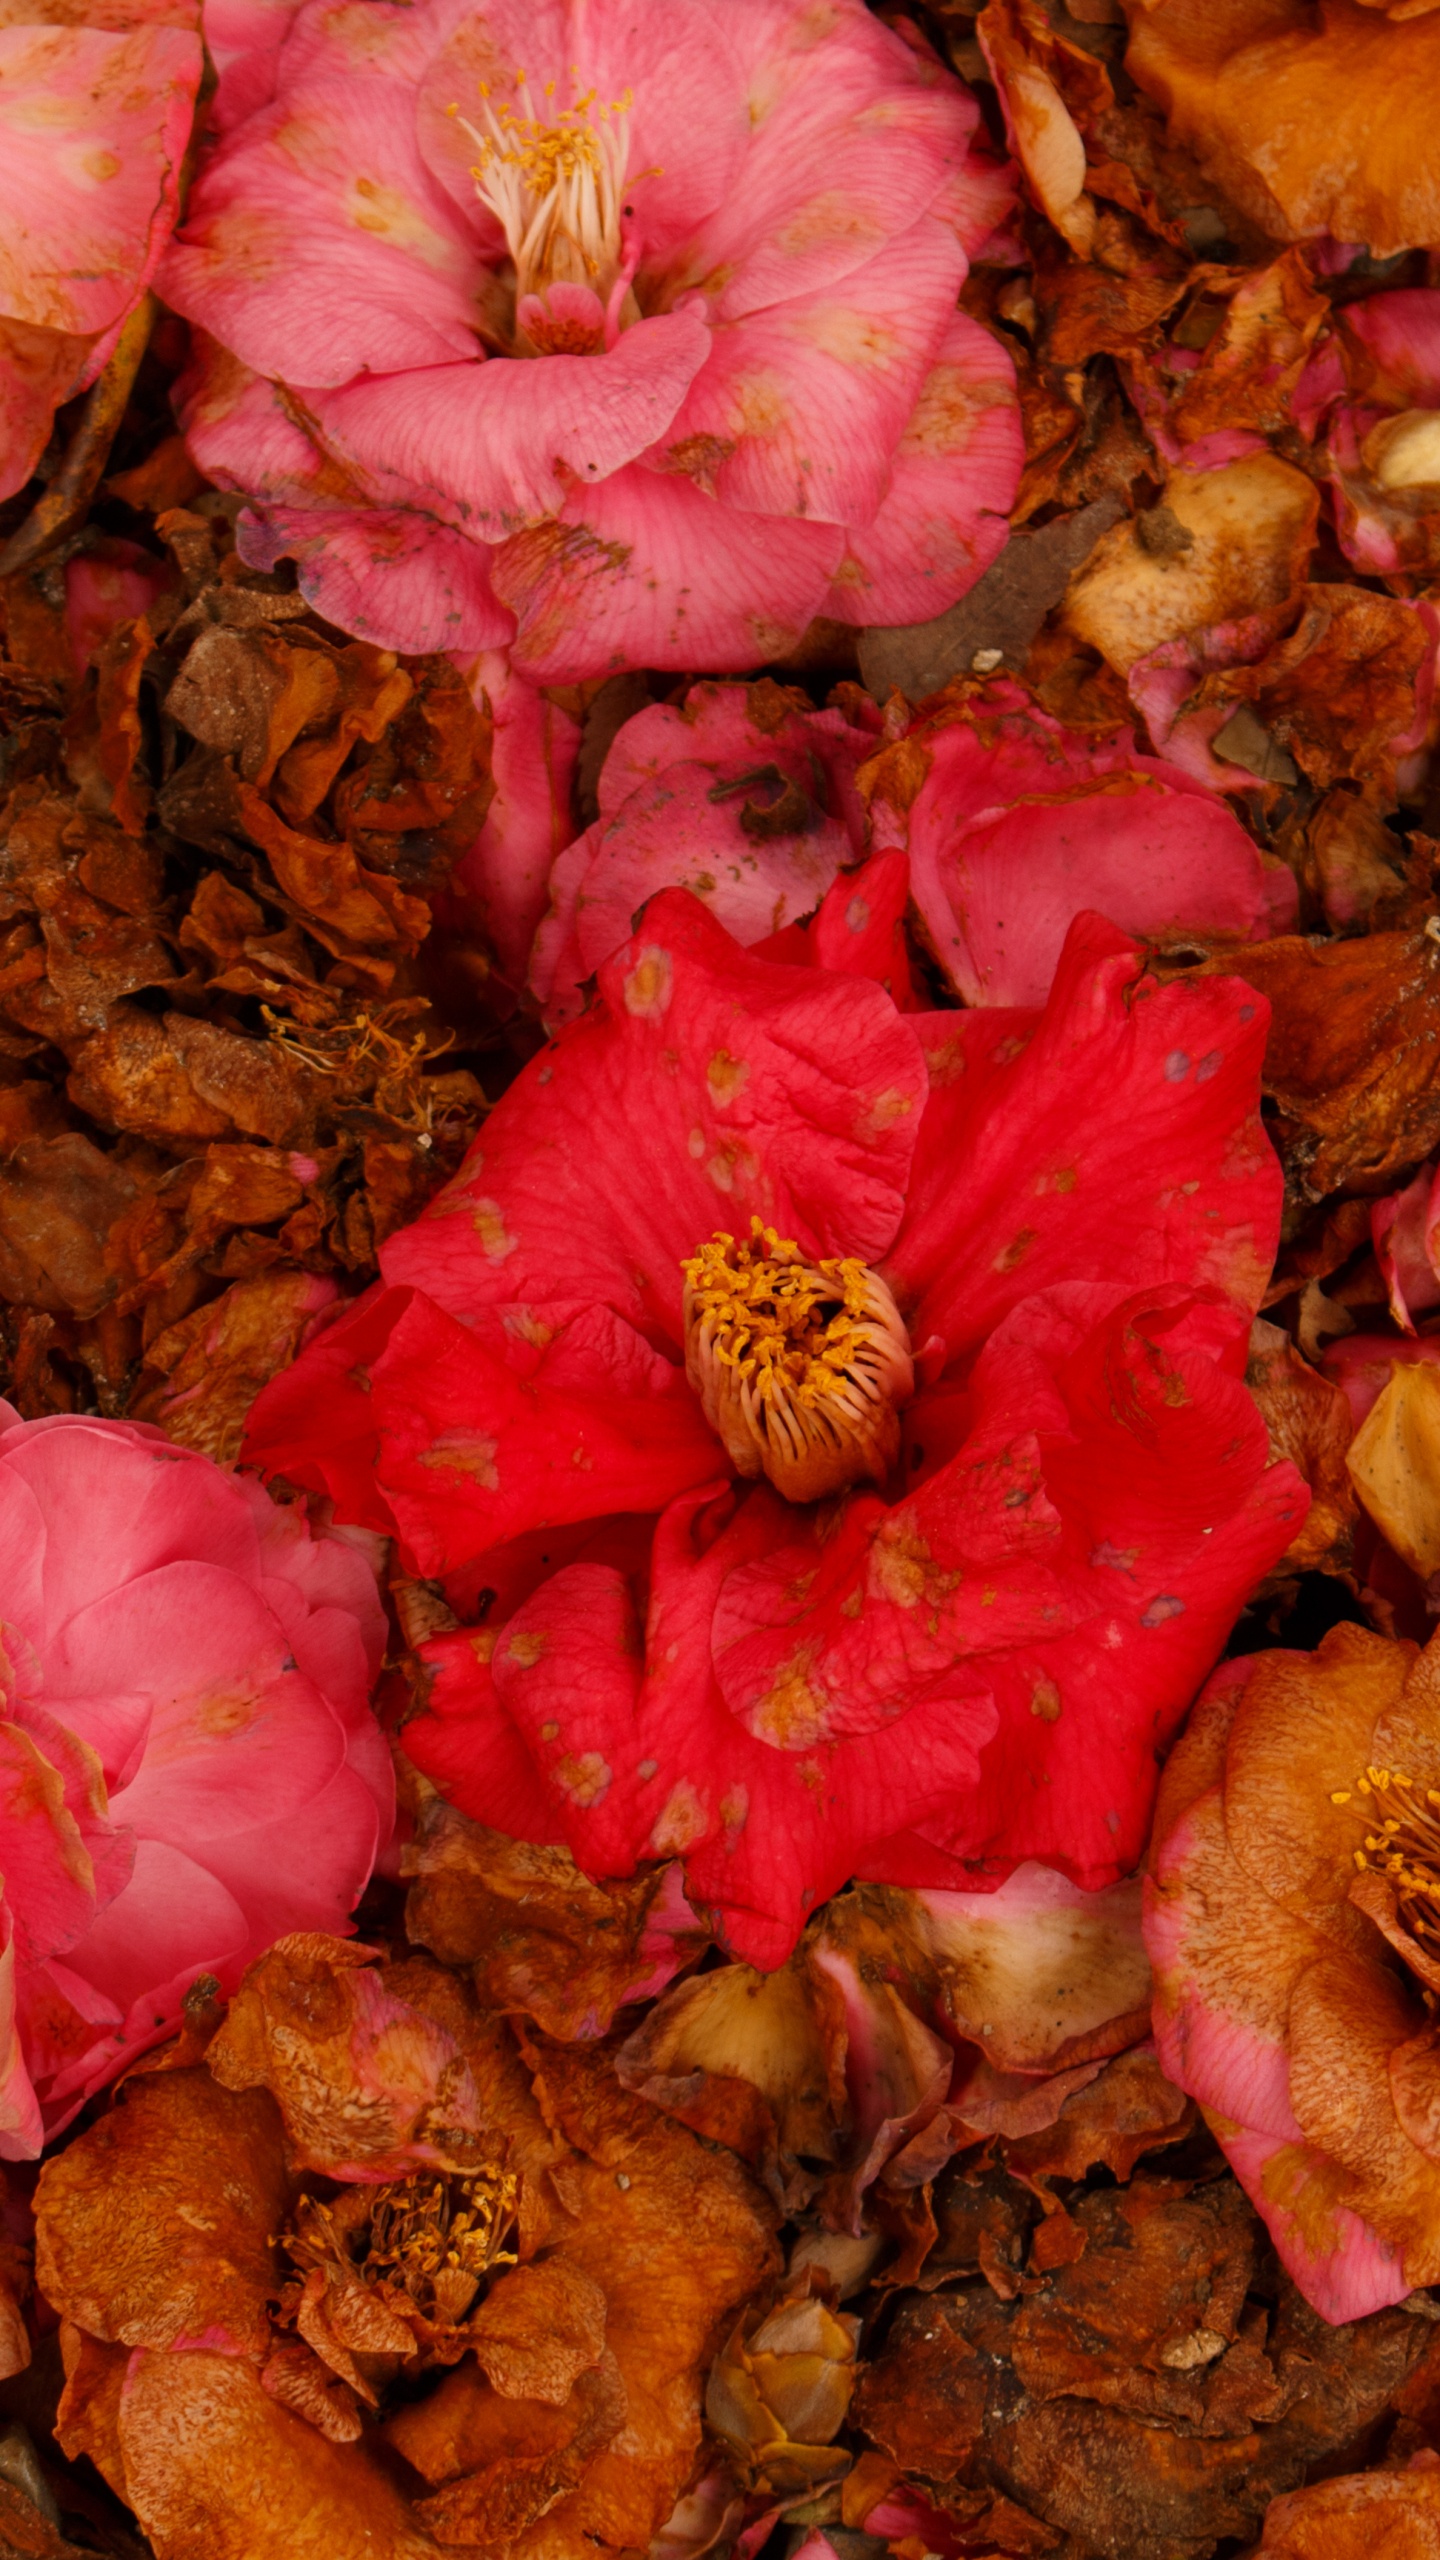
1402	1845
801	1367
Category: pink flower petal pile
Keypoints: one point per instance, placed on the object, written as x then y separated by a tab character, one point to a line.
188	1762
95	113
619	338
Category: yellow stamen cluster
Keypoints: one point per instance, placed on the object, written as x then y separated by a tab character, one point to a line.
554	181
801	1366
437	2235
1402	1843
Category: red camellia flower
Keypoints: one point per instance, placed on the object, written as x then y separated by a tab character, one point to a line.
188	1762
829	1419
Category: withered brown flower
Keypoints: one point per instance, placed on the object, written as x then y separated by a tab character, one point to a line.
374	2279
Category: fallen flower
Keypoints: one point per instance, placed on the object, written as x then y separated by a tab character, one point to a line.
631	342
95	120
186	1675
245	2321
1015	825
744	795
1069	1217
1291	1921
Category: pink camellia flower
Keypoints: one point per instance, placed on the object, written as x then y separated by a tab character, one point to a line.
190	1765
743	795
628	337
95	111
829	1420
1014	824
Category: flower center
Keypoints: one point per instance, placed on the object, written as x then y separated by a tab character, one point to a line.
801	1367
555	182
1402	1844
435	2235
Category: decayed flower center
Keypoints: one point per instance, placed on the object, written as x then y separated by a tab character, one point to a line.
801	1367
436	2235
555	182
1402	1843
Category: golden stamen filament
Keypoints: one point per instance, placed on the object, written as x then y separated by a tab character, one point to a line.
555	182
1402	1843
801	1367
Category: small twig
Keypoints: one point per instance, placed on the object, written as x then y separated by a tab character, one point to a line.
66	502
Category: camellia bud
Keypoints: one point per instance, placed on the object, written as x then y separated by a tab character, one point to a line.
779	2392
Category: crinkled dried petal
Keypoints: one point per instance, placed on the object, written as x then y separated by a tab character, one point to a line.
216	2469
540	1937
376	2071
156	2228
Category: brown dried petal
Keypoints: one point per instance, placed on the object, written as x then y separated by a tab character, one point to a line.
540	1936
538	2329
216	2469
155	2228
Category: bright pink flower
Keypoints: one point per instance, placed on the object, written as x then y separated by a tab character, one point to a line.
1019	824
741	795
630	337
1075	1212
189	1764
94	120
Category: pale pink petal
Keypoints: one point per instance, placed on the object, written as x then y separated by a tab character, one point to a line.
318	246
645	571
144	1502
92	130
493	447
956	471
800	407
503	877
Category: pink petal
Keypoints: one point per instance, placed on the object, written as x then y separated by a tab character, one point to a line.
244	40
854	136
780	1093
391	577
1344	2275
22	2130
1054	1151
956	469
799	407
493	447
316	245
92	130
144	1502
1018	827
645	571
504	877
